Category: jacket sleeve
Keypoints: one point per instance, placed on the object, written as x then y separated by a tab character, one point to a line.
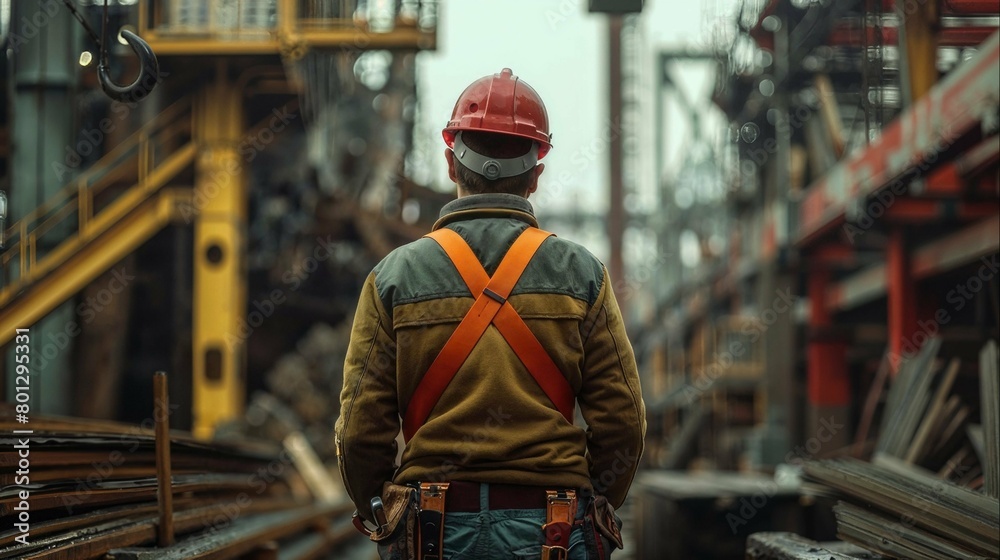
611	399
369	416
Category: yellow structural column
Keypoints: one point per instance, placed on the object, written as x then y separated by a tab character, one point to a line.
218	385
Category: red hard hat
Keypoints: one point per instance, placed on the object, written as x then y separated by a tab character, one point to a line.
503	104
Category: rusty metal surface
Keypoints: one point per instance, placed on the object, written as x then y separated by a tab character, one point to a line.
238	539
93	539
164	493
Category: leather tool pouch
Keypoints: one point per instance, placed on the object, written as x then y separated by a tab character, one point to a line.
397	540
605	522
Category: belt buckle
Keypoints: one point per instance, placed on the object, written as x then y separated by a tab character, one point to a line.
554	553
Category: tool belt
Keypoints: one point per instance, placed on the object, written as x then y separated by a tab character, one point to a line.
411	519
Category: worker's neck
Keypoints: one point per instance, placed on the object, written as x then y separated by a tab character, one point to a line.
463	193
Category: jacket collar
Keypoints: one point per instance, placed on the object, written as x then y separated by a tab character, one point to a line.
490	205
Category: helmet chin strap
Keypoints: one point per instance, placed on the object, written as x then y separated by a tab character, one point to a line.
494	168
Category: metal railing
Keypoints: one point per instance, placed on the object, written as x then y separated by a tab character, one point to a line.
249	19
75	211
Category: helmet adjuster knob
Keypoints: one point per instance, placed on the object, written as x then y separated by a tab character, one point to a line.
491	170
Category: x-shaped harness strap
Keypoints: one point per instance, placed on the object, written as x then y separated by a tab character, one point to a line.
490	307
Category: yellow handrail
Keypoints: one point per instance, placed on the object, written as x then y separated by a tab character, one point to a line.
77	197
289	19
167	116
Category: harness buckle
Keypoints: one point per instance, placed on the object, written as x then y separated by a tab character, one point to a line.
494	296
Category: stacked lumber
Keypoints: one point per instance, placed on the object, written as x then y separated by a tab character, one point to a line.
789	546
930	490
927	422
906	512
93	493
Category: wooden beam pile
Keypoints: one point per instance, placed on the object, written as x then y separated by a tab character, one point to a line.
926	421
907	401
93	494
903	511
930	490
789	546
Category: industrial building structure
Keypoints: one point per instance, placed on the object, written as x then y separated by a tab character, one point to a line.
217	220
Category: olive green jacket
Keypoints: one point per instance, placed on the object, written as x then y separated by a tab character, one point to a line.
493	423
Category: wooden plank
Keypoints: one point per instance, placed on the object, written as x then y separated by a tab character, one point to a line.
954	463
789	546
957	514
894	537
933	416
953	429
975	433
989	394
908	400
830	112
871	403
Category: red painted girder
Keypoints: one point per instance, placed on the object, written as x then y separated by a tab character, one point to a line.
912	141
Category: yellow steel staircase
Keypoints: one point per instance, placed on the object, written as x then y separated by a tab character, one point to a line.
99	222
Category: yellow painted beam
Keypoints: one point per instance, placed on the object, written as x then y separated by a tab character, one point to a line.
921	47
219	308
177	44
92	259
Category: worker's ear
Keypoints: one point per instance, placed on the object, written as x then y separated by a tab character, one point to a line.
449	156
536	173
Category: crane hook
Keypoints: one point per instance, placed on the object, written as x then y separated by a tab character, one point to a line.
149	71
149	68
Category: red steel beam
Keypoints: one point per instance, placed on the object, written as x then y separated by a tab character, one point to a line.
958	249
973	242
912	142
901	296
958	177
827	380
964	36
849	35
980	158
966	7
923	210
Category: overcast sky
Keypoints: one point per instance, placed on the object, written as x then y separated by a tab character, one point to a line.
561	50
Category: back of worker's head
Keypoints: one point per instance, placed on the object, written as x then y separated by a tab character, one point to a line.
498	132
500	146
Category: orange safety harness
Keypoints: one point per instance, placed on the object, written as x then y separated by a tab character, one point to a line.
490	308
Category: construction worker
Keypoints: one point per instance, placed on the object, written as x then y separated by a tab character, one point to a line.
482	337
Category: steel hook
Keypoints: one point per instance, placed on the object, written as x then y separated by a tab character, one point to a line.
149	71
149	68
